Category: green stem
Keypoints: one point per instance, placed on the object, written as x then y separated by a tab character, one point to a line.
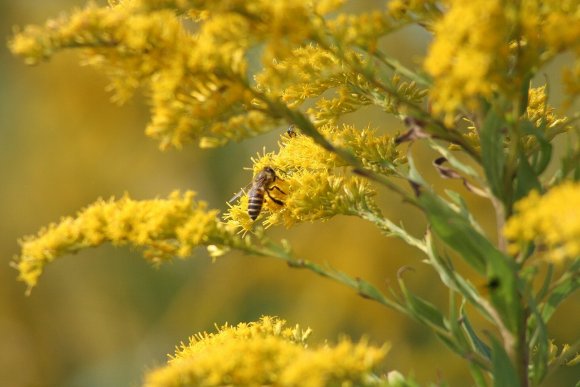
391	229
363	288
398	67
436	126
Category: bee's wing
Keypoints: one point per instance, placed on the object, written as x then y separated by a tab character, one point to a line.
240	193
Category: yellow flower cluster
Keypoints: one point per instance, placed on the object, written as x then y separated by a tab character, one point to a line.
555	353
312	71
197	79
307	73
552	221
543	116
315	182
469	57
267	353
550	27
352	92
485	46
163	228
362	30
538	112
196	62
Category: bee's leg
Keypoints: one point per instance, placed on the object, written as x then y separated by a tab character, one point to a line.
279	190
277	201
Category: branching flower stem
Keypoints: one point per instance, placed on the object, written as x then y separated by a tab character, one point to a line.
305	125
437	127
363	288
391	229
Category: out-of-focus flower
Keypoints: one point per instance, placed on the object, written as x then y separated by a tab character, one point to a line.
267	353
469	57
484	47
552	221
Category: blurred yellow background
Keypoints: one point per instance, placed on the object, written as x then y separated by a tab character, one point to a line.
103	317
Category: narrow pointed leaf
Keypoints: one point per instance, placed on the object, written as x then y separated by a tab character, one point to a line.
526	179
479	345
566	287
422	309
492	152
456	231
543	155
504	374
539	344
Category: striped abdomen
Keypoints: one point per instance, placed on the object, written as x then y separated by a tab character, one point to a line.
255	201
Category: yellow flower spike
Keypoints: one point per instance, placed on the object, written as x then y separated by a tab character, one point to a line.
266	352
363	29
539	111
143	44
551	220
163	228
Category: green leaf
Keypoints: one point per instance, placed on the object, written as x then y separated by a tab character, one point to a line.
504	374
492	152
414	174
478	344
369	291
543	155
526	179
477	375
570	165
423	310
452	279
569	283
546	284
456	231
463	209
539	343
455	162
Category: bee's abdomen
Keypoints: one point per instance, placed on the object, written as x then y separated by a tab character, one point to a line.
255	202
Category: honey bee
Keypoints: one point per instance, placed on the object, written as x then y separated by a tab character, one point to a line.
262	184
291	131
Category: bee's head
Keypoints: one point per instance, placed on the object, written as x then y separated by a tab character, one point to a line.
269	171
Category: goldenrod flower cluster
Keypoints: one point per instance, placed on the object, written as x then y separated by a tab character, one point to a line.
267	353
552	221
554	354
197	81
548	29
315	182
312	71
469	56
163	228
540	112
198	67
485	46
